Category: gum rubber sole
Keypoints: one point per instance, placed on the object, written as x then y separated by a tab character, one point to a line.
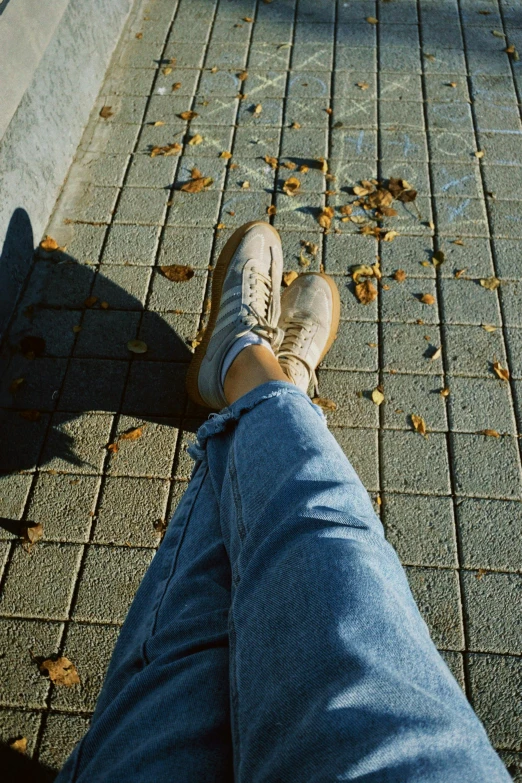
218	278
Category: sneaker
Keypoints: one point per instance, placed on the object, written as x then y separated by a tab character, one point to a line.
247	273
310	309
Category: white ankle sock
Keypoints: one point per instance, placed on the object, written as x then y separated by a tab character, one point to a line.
248	339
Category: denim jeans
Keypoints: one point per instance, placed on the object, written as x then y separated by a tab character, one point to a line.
274	638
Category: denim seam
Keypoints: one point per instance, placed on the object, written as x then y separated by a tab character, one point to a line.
234	692
172	570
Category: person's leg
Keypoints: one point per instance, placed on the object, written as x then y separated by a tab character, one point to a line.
333	672
163	713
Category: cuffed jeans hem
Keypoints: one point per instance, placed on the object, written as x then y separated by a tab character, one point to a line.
219	422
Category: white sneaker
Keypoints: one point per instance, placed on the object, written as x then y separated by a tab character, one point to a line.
310	311
247	273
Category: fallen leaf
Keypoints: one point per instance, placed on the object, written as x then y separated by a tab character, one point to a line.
430	57
444	392
242	76
247	19
137	346
291	186
436	354
458	242
491	283
497	34
490	433
401	190
158	123
245	185
132	434
399	275
90	301
513	52
289	277
303	260
60	671
167	151
272	162
502	372
489	328
363	85
361	190
258	109
15	385
324	403
438	258
480	573
289	164
113	448
325	217
225	154
365	292
49	244
20	745
389	236
372	20
175	86
361	270
197	184
323	165
177	273
295	126
428	299
461	272
328	110
167	70
346	209
30	415
304	169
106	112
452	84
311	247
32	533
419	425
377	396
479	154
188	115
104	305
271	210
357	219
195	140
77	328
388	212
139	36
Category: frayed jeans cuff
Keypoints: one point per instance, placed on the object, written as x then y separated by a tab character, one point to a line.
226	418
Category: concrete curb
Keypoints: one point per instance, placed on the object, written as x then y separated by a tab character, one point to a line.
43	134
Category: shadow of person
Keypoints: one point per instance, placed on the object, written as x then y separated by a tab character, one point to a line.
17	768
15	261
64	361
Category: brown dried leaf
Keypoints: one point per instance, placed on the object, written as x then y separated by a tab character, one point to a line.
247	19
106	112
20	745
175	86
197	184
242	76
365	292
61	672
501	372
323	165
363	85
438	258
226	154
372	20
490	433
399	275
291	186
113	448
33	533
289	164
271	210
295	126
325	217
479	154
458	242
195	140
491	283
137	346
379	198
158	123
90	301
167	151
324	403
289	277
133	434
444	392
361	270
461	272
188	115
49	244
489	328
272	162
390	235
177	273
258	110
245	185
428	299
401	190
346	209
419	425
15	385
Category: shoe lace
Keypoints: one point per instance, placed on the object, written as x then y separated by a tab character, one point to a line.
257	310
291	347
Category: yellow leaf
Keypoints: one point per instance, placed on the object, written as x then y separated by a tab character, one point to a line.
491	283
325	217
272	162
289	277
324	403
323	165
61	671
158	123
377	396
489	328
167	70
444	392
502	372
390	236
399	275
15	385
188	115
291	186
363	85
419	425
361	270
49	244
271	210
436	355
258	110
479	154
197	184
20	745
225	154
428	299
133	434
490	433
295	126
372	20
195	140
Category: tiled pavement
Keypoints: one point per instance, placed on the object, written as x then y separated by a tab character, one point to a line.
451	503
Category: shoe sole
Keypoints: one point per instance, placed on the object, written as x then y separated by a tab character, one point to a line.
218	278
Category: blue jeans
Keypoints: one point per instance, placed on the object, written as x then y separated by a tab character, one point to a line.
274	638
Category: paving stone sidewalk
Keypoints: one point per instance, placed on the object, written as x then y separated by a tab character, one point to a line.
413	96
